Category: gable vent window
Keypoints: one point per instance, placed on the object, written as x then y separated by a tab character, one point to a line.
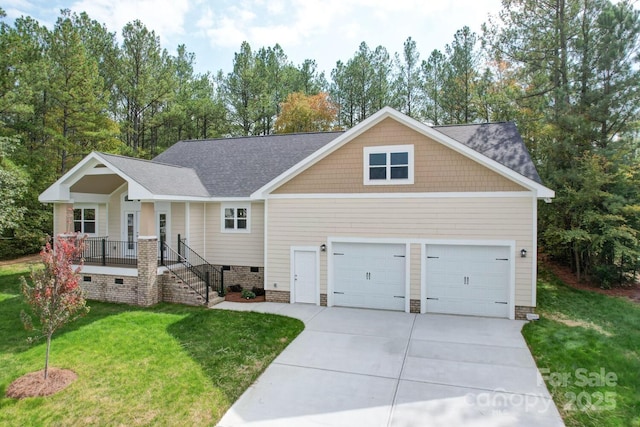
388	165
235	218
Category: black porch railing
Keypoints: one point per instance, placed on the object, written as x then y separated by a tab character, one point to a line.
101	251
192	269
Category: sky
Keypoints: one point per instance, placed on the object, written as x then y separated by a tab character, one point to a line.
326	31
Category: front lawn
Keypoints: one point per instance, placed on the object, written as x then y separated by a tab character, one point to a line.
165	365
587	345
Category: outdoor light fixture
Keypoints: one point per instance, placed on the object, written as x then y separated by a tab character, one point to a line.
523	253
323	248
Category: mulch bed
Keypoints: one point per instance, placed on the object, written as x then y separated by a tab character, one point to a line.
631	291
31	259
33	384
237	297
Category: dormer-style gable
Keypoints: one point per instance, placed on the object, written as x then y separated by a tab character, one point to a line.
392	153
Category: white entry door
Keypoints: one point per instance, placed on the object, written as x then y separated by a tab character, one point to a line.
131	231
305	275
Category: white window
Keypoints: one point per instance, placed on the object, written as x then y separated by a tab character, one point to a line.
84	220
236	218
388	165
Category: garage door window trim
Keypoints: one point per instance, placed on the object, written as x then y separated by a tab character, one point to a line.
388	165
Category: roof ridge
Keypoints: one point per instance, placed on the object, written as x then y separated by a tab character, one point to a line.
472	124
273	135
142	160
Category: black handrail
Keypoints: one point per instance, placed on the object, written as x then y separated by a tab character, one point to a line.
192	269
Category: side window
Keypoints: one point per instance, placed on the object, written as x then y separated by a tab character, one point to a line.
84	220
235	218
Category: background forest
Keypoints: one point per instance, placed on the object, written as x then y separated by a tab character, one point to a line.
567	72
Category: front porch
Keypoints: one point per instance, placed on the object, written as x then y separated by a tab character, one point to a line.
146	271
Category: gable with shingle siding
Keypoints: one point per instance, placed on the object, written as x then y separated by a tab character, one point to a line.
437	168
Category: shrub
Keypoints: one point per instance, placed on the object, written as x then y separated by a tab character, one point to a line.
235	288
258	291
247	294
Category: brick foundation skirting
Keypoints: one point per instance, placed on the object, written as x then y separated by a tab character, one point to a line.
103	287
522	310
414	306
277	296
323	300
243	276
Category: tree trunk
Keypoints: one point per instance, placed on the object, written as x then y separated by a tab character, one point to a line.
46	358
576	254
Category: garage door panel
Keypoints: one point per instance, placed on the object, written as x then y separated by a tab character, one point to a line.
369	275
468	279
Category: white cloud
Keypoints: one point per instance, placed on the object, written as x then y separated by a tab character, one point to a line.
165	17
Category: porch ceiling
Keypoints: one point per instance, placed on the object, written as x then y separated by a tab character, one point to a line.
97	184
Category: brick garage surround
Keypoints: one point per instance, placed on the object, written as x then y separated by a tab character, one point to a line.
522	311
277	296
414	306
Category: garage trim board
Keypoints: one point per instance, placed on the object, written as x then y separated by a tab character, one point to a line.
499	280
382	265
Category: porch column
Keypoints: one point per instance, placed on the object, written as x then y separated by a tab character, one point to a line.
62	218
147	256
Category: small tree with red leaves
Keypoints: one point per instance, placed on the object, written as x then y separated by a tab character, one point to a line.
55	296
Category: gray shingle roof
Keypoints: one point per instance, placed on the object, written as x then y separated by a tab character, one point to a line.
236	167
159	178
498	141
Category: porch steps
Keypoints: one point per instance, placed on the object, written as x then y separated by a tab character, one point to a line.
186	291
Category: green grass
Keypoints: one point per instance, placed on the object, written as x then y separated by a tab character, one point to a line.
581	335
165	365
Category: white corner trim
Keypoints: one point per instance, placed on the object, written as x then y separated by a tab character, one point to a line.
407	278
265	247
534	253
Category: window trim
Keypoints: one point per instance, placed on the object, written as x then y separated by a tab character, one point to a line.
236	206
387	150
82	208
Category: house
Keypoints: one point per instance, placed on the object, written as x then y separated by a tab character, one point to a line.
391	214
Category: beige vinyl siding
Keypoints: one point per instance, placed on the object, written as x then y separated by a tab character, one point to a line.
102	218
196	228
60	217
115	214
437	168
178	225
309	222
245	249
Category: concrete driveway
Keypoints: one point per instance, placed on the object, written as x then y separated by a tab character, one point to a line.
355	367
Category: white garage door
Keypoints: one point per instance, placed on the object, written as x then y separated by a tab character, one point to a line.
471	280
369	275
